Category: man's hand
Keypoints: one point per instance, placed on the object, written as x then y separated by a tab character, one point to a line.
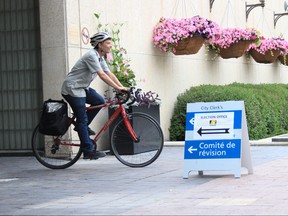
121	88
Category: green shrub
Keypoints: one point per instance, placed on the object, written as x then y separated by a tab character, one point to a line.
265	105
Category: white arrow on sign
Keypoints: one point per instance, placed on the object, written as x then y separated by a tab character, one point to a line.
191	149
192	121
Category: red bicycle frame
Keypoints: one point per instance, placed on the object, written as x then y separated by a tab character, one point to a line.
119	111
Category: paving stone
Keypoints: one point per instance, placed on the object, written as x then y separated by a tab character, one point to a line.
106	187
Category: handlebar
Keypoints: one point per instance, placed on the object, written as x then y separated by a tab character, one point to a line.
124	96
131	96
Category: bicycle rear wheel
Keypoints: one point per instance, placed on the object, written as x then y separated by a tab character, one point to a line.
56	152
143	152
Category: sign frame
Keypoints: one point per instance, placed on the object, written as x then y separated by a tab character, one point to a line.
216	138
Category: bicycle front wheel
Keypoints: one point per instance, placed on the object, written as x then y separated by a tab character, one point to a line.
148	147
56	152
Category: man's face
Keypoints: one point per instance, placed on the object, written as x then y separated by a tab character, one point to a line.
106	46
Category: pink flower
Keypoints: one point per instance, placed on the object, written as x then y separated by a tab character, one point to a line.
269	44
228	36
122	52
168	32
109	57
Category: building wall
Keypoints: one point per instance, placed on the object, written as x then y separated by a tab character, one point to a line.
53	46
62	22
20	74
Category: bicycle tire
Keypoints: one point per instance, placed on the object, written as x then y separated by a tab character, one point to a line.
144	152
50	151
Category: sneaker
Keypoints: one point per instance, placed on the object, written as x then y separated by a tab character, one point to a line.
90	131
94	155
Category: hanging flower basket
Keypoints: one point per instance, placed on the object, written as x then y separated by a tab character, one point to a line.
189	45
268	50
233	42
268	57
235	50
184	36
283	59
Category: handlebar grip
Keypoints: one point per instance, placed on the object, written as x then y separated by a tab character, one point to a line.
127	96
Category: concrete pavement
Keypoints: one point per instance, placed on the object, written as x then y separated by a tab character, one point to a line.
106	187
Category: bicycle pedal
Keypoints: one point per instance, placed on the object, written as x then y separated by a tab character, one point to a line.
94	156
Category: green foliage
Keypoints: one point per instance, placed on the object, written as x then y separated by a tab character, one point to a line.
265	105
117	60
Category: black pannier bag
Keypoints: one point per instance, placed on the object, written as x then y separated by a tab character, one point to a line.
54	118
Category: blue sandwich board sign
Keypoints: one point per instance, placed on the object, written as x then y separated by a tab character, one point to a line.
216	138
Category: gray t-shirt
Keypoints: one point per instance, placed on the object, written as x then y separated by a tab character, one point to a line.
83	73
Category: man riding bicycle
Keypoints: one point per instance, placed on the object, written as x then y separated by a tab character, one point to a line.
77	93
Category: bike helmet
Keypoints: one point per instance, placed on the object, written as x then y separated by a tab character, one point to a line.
98	38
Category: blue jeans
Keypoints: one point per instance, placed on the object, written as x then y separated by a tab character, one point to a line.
83	118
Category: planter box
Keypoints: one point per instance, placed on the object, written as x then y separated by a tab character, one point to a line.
128	147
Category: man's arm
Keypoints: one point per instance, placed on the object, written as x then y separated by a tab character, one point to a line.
115	79
109	81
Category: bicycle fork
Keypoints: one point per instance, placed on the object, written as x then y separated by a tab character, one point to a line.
129	126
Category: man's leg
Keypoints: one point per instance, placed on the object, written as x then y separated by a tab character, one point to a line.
94	99
79	108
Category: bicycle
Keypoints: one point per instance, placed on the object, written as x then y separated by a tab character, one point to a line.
136	138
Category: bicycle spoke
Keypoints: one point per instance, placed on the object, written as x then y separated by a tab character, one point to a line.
144	152
56	153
